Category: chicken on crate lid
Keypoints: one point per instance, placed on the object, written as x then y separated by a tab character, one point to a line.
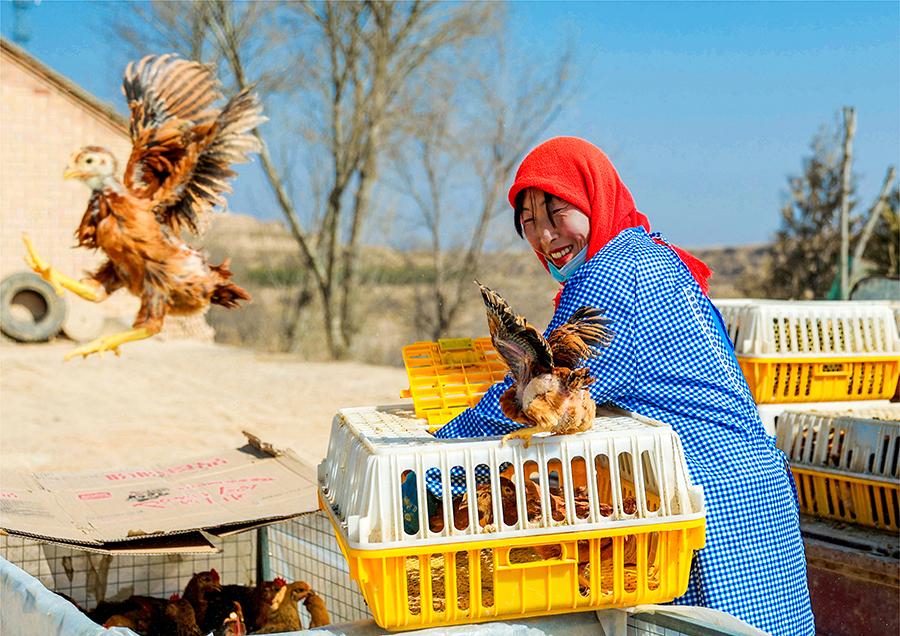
590	519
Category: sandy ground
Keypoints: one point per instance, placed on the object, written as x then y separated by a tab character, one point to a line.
161	401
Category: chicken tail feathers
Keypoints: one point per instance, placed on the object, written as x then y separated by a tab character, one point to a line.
593	326
579	379
226	293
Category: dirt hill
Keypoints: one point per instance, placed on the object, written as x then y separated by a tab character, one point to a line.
265	259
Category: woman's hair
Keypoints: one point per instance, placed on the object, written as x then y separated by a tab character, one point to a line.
520	201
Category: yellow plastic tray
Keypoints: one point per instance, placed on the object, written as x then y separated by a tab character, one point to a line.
846	498
841	378
448	376
420	586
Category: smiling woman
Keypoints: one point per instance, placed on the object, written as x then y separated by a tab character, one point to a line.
555	229
670	359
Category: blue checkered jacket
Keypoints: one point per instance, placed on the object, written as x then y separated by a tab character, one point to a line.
671	360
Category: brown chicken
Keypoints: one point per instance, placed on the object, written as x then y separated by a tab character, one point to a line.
223	612
283	613
200	590
484	506
231	625
142	614
177	173
318	613
549	392
120	620
253	599
582	508
558	503
182	613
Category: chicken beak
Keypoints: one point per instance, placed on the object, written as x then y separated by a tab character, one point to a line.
71	172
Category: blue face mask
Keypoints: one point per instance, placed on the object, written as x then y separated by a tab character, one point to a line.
563	273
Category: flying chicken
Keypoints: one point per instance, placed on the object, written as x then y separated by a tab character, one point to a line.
177	172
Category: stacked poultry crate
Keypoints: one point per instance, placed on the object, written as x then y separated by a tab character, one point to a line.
448	376
450	531
822	374
846	468
795	352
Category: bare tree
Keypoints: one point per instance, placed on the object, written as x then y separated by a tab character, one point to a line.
350	71
881	209
179	27
481	155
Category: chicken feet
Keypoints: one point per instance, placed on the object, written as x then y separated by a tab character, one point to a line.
58	280
522	433
92	291
109	343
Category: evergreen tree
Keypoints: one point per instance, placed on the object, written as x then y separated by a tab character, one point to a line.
807	246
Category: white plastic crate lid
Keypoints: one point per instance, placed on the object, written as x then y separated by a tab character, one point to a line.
371	448
866	409
777	328
864	444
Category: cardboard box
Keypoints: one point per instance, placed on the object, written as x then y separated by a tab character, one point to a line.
180	506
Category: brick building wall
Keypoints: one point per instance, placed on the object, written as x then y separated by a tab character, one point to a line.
44	118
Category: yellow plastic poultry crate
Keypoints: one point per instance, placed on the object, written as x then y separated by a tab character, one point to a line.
448	376
846	468
609	518
814	351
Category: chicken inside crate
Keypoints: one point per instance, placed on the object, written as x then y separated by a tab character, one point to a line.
206	605
605	518
168	593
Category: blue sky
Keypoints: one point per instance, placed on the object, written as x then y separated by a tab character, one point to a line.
704	107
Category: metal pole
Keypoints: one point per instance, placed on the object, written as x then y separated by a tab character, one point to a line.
849	131
263	563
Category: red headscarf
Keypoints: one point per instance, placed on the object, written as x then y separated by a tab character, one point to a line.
578	172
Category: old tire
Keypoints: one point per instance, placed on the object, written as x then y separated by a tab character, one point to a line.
30	309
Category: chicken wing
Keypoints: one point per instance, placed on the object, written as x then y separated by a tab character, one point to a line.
549	391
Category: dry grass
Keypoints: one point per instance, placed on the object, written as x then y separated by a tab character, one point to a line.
392	303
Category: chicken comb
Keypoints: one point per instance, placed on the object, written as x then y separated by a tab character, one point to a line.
280	582
175	597
214	574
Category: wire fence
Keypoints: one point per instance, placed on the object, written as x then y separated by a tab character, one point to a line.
303	548
306	549
90	577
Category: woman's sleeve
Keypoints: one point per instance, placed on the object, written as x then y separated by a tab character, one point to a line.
483	420
608	283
